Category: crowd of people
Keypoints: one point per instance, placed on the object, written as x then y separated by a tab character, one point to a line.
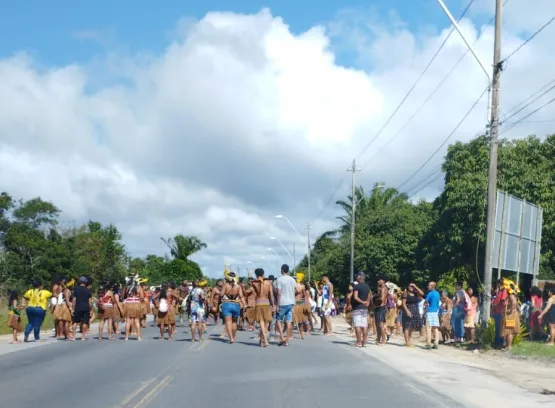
442	318
263	302
275	306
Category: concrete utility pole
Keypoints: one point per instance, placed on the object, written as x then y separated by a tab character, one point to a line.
353	170
492	172
294	258
308	247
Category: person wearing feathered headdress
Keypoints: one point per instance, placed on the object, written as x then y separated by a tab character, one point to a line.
392	314
232	302
510	324
302	309
498	309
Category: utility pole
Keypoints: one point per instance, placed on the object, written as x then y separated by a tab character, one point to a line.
353	170
294	258
308	247
492	172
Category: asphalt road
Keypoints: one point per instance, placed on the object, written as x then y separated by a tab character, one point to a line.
318	372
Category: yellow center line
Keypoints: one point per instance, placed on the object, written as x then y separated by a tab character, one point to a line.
203	345
154	392
136	392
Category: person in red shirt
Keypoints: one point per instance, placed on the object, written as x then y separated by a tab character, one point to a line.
498	310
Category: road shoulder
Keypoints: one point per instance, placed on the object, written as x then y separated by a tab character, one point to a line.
461	375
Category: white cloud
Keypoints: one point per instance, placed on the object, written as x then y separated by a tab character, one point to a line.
239	120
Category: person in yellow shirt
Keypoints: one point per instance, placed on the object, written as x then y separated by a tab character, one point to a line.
37	304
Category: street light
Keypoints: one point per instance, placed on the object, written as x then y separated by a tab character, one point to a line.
283	217
274	251
493	113
284	247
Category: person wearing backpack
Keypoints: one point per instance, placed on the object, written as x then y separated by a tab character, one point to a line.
459	313
471	307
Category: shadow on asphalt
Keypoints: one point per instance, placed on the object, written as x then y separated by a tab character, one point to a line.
249	344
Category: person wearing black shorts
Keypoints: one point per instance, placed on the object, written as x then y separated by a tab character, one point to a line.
82	304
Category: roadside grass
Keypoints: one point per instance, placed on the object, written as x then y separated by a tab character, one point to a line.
534	350
4	329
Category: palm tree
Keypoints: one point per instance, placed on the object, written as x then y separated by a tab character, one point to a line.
378	198
182	247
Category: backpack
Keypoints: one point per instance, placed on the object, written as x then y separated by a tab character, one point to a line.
467	302
163	306
390	302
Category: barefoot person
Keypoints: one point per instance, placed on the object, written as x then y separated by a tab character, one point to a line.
380	312
327	305
197	311
264	304
286	286
133	312
63	310
250	299
232	302
216	300
109	312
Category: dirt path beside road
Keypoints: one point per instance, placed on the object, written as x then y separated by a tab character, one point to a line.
477	379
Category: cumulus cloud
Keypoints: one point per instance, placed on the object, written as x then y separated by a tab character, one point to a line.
238	120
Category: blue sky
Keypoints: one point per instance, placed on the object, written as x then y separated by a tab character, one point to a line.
66	31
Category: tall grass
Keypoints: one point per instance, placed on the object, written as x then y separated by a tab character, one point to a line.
4	329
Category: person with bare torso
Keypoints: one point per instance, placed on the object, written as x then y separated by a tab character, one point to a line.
232	301
216	300
250	299
173	299
265	303
380	313
183	292
299	310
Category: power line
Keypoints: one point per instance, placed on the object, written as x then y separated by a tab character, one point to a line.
529	39
518	122
430	182
413	86
527	99
436	88
331	197
424	180
446	139
529	103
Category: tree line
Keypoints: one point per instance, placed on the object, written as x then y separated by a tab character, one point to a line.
442	240
35	245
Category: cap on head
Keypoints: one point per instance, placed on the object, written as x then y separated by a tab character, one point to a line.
83	279
272	277
361	275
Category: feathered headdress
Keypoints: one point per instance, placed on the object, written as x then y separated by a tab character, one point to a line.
229	275
70	284
203	283
511	287
299	276
392	288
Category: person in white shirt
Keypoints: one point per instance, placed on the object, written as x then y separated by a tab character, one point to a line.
286	286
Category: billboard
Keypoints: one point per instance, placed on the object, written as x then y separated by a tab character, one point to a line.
518	231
